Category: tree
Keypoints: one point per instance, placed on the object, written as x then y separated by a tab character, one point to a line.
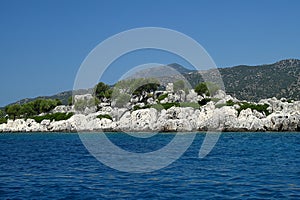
202	89
2	113
13	111
26	110
179	85
102	91
141	87
206	88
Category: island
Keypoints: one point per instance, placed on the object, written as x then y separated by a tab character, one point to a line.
149	108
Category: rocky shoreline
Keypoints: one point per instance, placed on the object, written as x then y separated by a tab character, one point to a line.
283	116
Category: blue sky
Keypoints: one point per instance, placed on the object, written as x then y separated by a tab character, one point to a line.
43	43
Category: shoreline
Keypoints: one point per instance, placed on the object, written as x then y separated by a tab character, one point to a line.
276	116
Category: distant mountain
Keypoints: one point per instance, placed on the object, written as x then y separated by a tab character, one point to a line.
251	83
63	96
180	69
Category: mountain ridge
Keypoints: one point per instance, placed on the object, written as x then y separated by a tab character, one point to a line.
245	82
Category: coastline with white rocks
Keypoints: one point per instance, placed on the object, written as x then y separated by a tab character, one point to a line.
283	116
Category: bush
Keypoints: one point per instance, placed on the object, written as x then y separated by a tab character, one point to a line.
220	105
32	108
162	97
206	88
3	120
107	116
215	99
166	106
260	108
54	116
228	103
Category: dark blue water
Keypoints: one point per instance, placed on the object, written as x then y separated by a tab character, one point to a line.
241	166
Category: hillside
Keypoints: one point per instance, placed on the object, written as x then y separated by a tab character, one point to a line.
280	79
251	83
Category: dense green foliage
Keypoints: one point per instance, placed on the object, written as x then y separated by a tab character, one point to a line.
54	116
107	116
32	108
162	97
228	103
259	107
144	88
3	120
206	88
102	91
2	113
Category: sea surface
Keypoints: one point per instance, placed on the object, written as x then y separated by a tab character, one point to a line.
241	166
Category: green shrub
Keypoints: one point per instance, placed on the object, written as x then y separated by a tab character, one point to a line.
207	88
54	116
158	107
228	103
220	105
215	99
3	120
190	104
162	97
260	108
107	116
166	106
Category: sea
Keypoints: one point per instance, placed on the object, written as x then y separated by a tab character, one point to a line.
240	166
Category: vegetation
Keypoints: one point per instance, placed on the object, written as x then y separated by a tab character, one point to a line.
179	85
166	106
35	107
206	88
262	108
162	97
81	104
253	83
122	99
70	101
3	120
144	88
54	116
106	116
228	103
2	113
103	91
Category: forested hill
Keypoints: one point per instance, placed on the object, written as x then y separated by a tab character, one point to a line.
252	83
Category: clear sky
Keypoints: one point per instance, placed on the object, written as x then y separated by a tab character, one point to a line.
43	42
